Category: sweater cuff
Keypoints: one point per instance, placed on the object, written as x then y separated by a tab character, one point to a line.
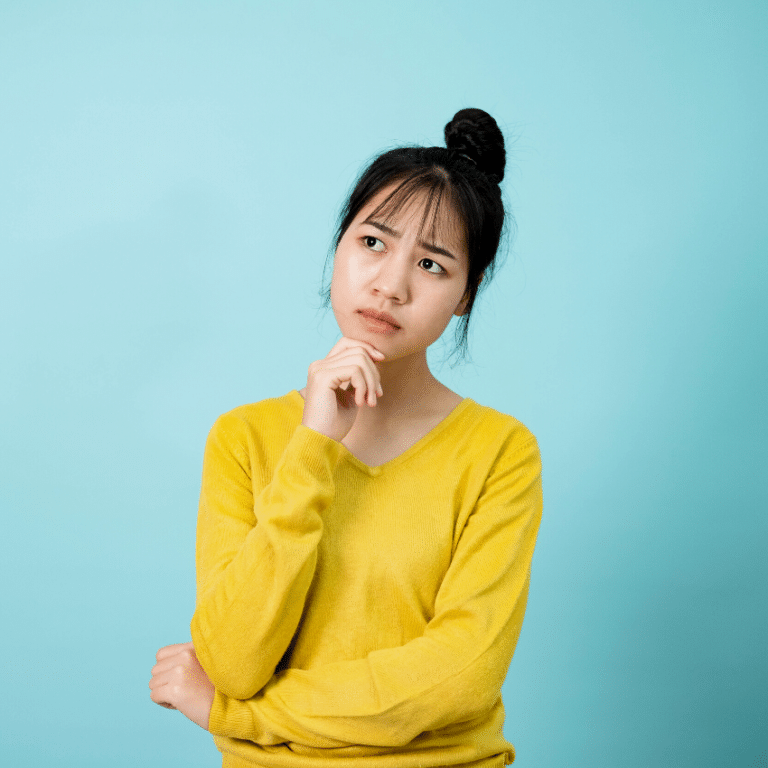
312	450
228	720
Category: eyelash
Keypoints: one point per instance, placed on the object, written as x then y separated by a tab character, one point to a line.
365	239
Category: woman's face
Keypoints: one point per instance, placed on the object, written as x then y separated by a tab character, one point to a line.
385	264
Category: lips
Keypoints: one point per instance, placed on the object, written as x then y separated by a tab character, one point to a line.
380	316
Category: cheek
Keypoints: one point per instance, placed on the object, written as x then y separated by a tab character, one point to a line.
353	272
344	279
447	303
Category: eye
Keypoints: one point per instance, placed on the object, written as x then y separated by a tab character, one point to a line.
434	264
370	242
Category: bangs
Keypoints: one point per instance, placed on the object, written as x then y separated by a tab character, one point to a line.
440	209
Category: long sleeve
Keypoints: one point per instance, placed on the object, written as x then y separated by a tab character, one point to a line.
450	674
256	552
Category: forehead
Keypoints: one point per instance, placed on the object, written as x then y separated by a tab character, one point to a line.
431	212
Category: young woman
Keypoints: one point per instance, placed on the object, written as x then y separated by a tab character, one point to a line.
364	545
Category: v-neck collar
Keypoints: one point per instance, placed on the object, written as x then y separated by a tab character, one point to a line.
433	433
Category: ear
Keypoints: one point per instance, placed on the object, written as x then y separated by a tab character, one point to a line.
462	305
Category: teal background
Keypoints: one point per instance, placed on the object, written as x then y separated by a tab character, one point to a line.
170	174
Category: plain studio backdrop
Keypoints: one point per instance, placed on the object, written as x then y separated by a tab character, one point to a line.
170	174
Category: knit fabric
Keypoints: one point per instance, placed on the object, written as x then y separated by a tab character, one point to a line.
362	617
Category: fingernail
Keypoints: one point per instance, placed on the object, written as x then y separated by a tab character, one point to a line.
380	390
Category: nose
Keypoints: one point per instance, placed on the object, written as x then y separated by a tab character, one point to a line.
392	278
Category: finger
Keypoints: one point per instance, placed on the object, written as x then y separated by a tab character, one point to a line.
358	376
347	343
341	377
360	351
361	386
371	373
161	678
168	663
169	650
184	658
158	695
162	686
372	377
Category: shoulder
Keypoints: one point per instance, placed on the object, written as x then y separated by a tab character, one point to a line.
261	423
513	479
271	409
492	454
502	430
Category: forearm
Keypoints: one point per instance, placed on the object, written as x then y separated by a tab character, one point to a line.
241	632
255	568
385	700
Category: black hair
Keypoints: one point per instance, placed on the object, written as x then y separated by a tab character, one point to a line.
467	172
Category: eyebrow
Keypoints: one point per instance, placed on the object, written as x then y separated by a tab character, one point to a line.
423	244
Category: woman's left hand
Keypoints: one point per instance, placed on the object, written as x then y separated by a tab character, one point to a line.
179	682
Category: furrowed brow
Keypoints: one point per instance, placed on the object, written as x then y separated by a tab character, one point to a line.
435	249
383	228
393	233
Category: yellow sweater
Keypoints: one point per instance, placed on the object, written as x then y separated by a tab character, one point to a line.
362	617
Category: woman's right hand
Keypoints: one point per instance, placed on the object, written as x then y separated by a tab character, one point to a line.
343	381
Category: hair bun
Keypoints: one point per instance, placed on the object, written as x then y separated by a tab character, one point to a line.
475	133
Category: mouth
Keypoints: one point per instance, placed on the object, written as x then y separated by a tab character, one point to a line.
377	323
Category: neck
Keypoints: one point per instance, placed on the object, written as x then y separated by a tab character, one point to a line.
409	387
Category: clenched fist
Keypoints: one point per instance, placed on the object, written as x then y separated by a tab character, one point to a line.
179	682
